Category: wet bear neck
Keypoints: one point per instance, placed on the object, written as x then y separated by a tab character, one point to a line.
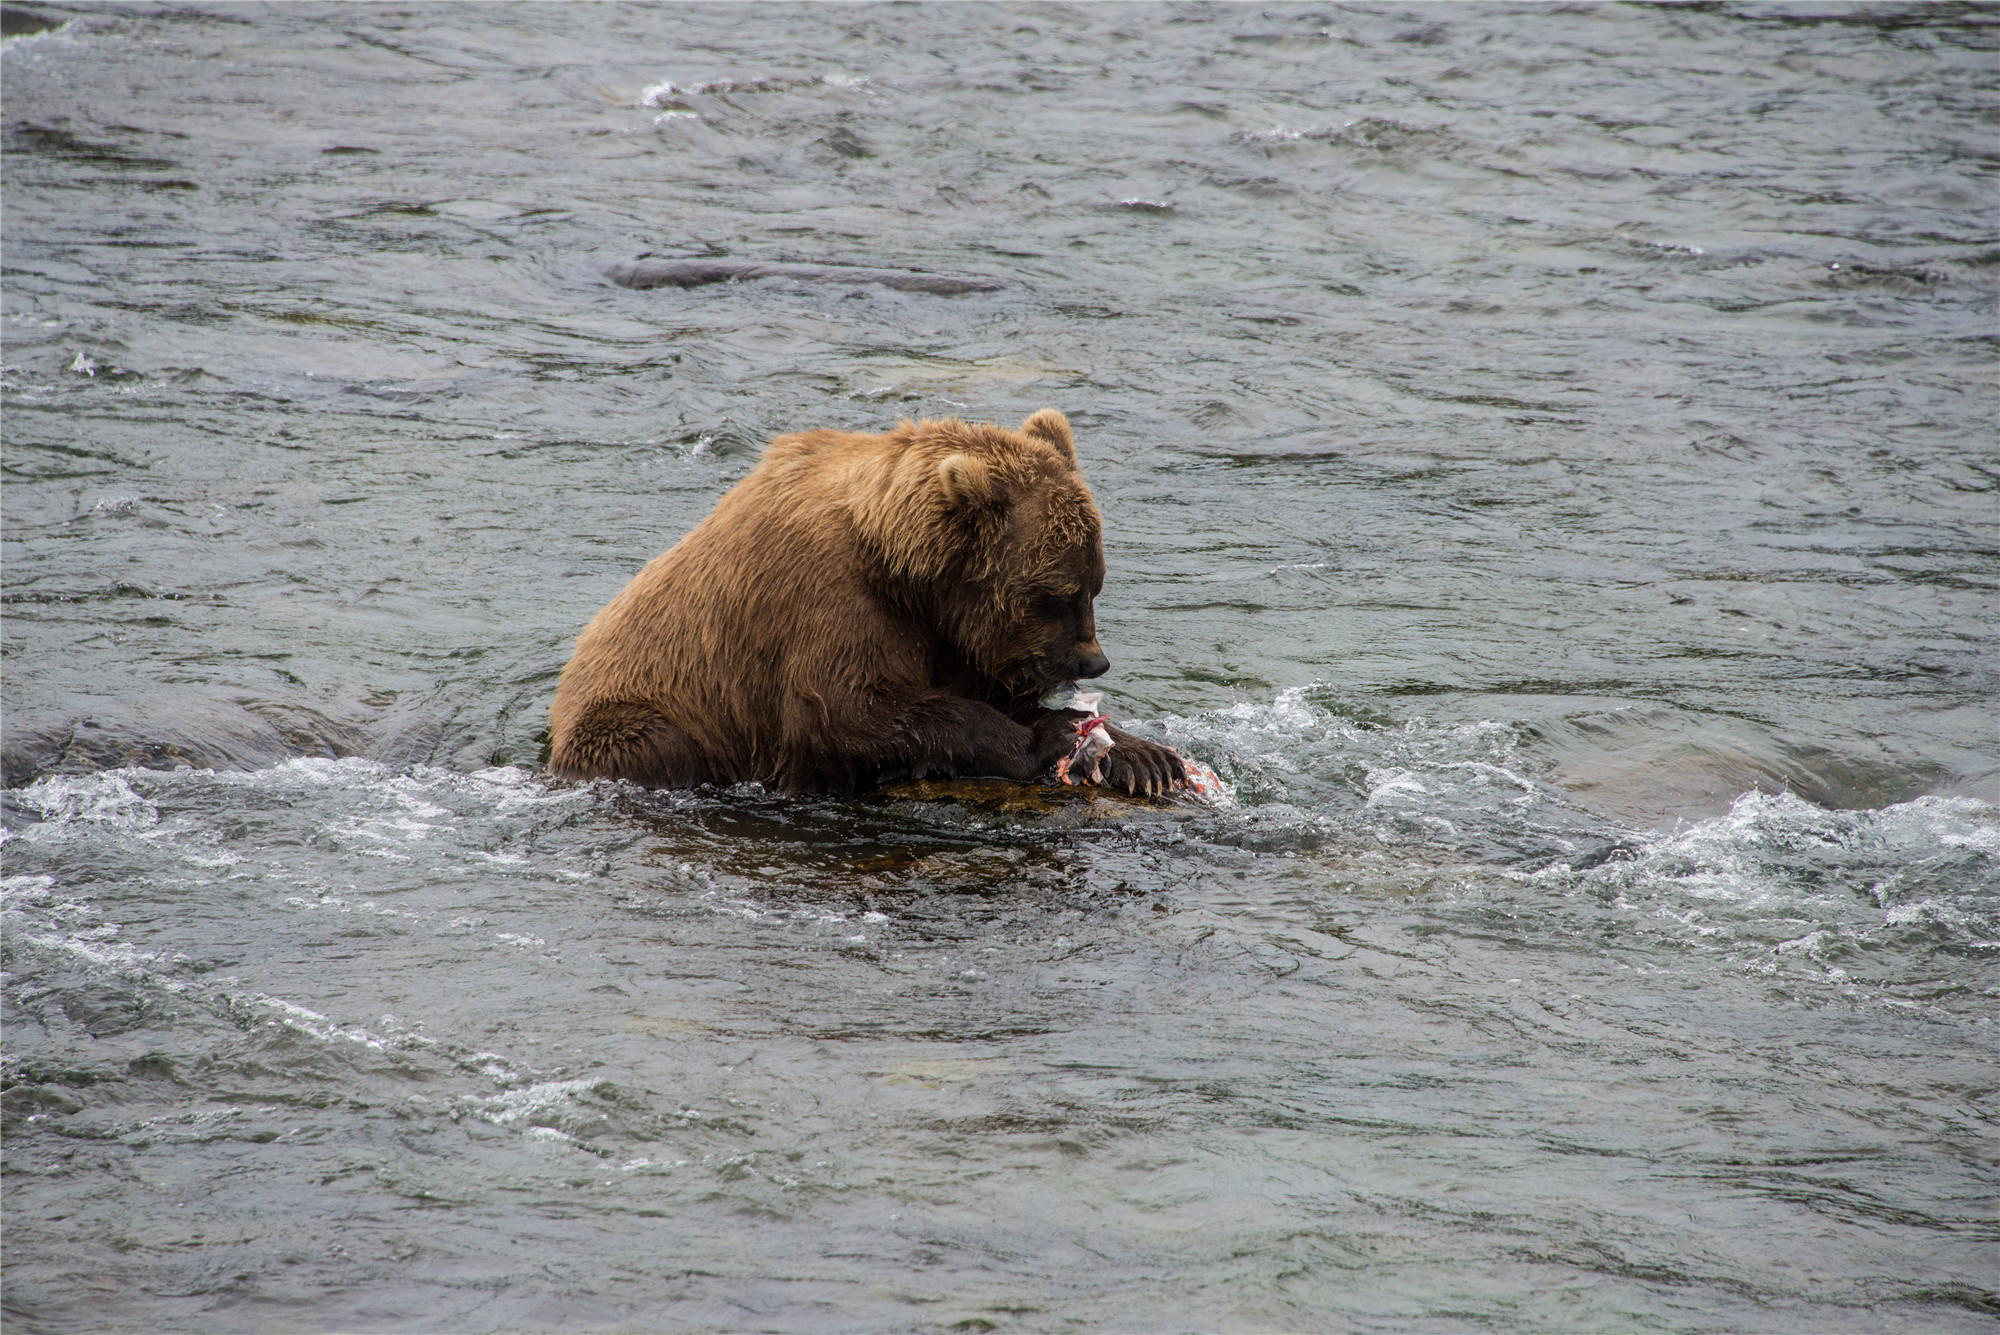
930	616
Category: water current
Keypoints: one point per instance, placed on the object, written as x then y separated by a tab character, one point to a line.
1548	457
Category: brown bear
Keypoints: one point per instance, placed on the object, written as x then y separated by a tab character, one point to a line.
859	608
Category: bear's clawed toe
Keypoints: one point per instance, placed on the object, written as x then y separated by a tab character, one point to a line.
1141	767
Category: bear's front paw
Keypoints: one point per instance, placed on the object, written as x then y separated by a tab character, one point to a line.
1140	766
1055	736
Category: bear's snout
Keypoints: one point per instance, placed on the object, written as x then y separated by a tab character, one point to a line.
1090	661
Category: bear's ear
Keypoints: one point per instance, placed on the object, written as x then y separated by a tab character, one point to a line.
966	481
1052	427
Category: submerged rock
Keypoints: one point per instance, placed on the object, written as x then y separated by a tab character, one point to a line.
646	274
1009	796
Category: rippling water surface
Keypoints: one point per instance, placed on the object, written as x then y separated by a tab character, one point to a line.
1548	465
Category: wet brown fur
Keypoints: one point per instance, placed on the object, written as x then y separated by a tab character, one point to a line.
858	608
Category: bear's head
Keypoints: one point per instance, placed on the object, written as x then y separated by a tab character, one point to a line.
996	538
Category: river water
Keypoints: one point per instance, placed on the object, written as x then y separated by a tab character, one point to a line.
1549	470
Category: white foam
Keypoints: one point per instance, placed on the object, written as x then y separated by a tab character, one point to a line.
1773	881
1761	827
1831	885
1923	910
334	903
1293	759
418	790
518	1105
399	816
107	798
550	1135
26	890
117	957
1385	784
294	1016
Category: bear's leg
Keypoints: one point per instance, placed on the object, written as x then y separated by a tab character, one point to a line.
628	741
937	735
